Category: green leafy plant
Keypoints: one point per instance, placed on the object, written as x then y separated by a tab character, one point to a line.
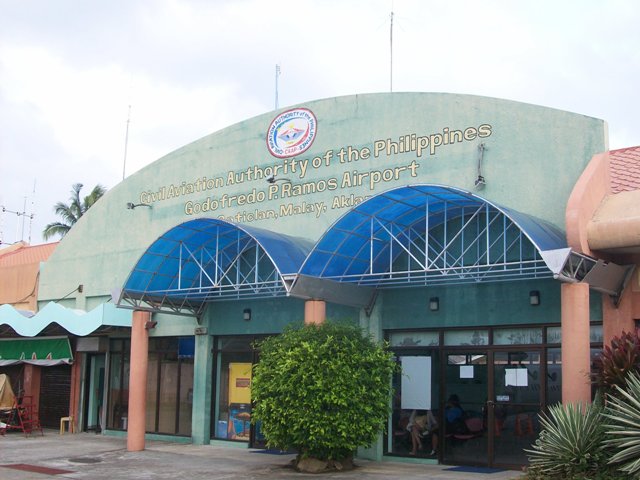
623	426
570	443
322	390
612	366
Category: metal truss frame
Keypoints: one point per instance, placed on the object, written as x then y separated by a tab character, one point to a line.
467	244
606	277
215	271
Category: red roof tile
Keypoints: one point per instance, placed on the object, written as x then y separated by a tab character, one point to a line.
624	167
27	254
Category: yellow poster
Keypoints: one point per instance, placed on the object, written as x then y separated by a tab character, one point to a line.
239	383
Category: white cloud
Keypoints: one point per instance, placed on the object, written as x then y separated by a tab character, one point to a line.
70	70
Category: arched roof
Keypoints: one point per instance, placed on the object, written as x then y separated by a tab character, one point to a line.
209	259
407	236
426	234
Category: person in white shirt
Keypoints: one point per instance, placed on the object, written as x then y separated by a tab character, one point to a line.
423	423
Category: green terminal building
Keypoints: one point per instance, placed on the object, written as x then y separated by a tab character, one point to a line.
460	229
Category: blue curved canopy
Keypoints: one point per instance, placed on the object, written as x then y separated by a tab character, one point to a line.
407	236
426	234
209	259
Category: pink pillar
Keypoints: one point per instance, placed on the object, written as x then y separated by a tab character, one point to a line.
138	381
576	362
315	312
619	319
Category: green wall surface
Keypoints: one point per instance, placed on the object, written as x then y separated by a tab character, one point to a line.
478	305
267	316
533	156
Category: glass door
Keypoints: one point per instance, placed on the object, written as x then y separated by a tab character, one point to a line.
465	437
231	406
516	404
94	393
492	402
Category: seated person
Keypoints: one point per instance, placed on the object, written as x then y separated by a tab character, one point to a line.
454	415
421	423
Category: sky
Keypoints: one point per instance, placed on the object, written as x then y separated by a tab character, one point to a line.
83	81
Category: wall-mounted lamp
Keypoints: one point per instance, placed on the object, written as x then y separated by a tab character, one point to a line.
131	205
272	179
246	314
150	324
534	298
434	304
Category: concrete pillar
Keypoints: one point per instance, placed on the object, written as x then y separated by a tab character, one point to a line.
139	361
576	361
202	389
372	325
315	312
619	319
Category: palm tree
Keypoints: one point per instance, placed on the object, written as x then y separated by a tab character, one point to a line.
72	212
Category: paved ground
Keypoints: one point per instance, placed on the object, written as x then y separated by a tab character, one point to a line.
98	457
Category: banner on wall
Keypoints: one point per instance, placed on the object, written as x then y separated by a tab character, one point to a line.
239	401
416	383
240	383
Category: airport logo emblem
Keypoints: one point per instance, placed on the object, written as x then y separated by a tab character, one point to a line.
291	133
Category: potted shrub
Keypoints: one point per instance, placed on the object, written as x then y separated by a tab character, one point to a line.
322	391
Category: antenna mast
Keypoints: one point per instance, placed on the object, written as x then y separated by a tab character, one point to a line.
126	143
277	75
33	203
391	57
22	214
24	211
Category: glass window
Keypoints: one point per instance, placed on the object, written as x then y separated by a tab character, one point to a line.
416	394
524	360
517	377
168	392
517	336
595	334
152	392
118	397
235	396
466	359
554	376
170	385
185	398
414	339
594	353
466	337
233	393
554	335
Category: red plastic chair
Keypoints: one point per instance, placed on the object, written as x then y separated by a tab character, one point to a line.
475	428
